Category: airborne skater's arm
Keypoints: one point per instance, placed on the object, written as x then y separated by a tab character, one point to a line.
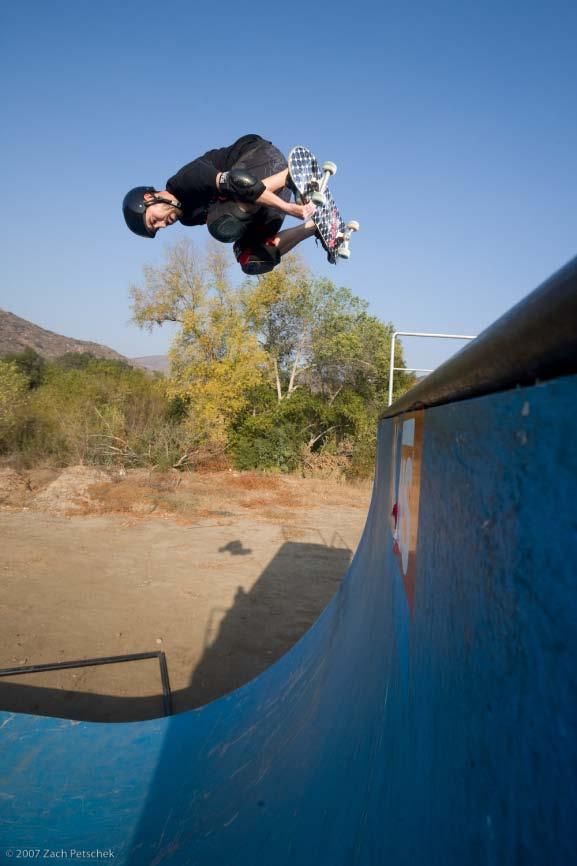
266	197
276	181
300	211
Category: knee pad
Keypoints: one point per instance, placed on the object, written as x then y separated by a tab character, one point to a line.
259	259
227	222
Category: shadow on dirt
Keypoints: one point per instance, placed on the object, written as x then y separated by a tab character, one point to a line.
239	644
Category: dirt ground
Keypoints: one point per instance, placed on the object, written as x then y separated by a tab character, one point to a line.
222	572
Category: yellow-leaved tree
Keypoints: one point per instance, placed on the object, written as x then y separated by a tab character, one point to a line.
215	359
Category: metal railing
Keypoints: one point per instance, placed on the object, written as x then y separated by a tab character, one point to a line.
108	660
392	367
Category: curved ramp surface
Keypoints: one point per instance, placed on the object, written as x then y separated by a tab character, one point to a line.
427	718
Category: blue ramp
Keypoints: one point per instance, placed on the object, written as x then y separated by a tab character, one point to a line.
429	715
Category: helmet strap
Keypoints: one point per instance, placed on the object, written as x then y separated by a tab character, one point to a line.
158	199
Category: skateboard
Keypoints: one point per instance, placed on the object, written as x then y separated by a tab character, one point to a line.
309	183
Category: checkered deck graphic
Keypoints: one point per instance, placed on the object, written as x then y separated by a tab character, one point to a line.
303	169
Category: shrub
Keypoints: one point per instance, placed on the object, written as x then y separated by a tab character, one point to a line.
30	364
13	391
100	412
261	443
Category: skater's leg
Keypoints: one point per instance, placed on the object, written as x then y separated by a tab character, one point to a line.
289	238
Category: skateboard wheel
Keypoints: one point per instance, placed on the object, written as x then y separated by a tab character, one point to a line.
318	198
330	167
353	226
344	253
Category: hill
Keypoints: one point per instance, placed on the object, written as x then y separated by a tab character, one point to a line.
155	363
16	334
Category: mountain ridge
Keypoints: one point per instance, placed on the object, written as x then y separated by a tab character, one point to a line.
17	334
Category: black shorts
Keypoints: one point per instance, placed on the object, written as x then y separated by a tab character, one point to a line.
262	160
255	252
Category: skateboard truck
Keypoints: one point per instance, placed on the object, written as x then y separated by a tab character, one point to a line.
344	251
318	197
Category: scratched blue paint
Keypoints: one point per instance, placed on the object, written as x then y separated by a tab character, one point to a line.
445	735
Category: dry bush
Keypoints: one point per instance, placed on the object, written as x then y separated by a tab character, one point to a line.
255	503
339	491
323	464
122	496
158	492
211	457
288	499
255	481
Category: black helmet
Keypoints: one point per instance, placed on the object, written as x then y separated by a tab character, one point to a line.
134	208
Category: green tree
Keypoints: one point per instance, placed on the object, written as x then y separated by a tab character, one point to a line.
279	309
318	334
82	360
30	364
284	366
352	349
13	390
215	359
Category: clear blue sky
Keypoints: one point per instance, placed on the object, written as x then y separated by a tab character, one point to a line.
454	124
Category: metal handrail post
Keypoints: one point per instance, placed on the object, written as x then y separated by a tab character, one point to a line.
416	334
392	367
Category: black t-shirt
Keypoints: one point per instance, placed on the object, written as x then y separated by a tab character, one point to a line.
195	184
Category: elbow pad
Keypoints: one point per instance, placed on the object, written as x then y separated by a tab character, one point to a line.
241	184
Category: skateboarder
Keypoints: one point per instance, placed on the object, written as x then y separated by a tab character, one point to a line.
239	192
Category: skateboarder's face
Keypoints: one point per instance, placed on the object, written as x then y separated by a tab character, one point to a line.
159	216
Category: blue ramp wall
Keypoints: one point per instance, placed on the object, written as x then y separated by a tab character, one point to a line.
427	718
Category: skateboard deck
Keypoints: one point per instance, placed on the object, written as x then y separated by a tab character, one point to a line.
307	178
